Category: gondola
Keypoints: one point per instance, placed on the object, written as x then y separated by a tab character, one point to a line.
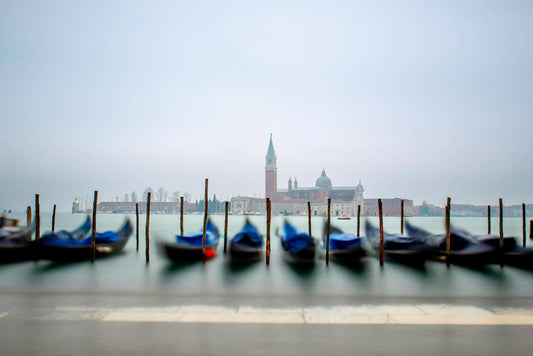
15	241
189	247
298	247
65	246
509	254
343	247
407	249
246	245
464	249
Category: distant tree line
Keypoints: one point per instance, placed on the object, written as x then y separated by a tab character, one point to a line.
214	205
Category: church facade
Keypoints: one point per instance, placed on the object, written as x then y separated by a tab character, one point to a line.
293	200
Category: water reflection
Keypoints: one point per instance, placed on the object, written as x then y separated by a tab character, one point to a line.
173	267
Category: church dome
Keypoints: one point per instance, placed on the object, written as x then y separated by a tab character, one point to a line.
323	181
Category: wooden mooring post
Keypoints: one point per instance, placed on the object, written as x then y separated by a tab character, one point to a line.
488	220
381	242
309	218
523	225
226	227
148	198
268	202
401	216
93	236
28	216
181	216
54	219
501	230
327	231
358	219
37	218
137	223
205	218
448	211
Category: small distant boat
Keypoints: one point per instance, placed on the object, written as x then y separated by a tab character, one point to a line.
247	244
343	218
400	248
15	241
65	246
8	222
298	247
464	249
189	247
343	247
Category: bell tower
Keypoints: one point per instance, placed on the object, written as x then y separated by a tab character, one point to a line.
271	172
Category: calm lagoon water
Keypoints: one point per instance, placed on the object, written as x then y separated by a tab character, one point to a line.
128	273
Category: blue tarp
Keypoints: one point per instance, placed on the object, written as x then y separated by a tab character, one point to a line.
293	240
248	236
339	241
195	239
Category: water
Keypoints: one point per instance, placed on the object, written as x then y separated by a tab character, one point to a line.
127	273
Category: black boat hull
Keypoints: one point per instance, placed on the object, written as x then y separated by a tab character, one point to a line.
303	257
244	254
180	252
16	253
407	256
467	258
348	255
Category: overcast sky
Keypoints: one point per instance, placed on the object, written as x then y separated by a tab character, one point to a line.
417	99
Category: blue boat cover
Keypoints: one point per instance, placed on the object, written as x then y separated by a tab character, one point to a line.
195	239
64	238
293	240
248	236
340	241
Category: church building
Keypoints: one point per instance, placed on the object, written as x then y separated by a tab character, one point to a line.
293	200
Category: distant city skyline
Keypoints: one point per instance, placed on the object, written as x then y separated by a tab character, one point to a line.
423	100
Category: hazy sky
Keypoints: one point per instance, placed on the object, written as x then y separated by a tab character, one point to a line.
417	99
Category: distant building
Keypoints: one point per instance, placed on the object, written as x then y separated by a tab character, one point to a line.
75	206
391	207
247	205
293	200
156	207
427	210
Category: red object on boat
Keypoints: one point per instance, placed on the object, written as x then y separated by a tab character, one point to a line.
209	253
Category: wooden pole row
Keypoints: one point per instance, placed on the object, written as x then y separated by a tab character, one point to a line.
93	237
501	230
268	211
488	220
54	219
137	223
381	242
448	234
181	216
37	218
327	231
148	198
226	227
28	216
524	225
401	217
268	207
309	218
205	218
358	219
